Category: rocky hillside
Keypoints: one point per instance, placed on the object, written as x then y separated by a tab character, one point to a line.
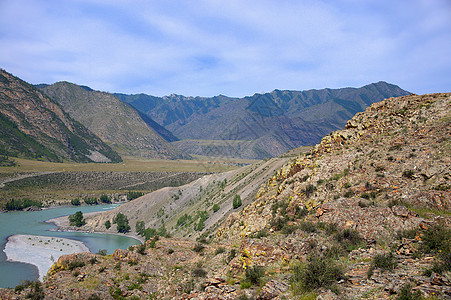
365	215
275	122
34	126
113	121
195	209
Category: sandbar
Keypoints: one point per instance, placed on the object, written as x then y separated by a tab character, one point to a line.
41	251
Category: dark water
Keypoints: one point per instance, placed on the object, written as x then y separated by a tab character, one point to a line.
33	223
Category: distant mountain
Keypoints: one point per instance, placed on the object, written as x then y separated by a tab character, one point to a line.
33	126
275	122
115	122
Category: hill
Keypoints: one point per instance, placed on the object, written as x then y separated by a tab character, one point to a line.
275	122
116	123
365	214
34	126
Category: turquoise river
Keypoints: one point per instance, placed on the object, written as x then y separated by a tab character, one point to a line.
19	222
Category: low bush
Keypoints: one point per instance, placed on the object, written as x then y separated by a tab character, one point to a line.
254	274
385	262
308	227
75	264
437	239
317	272
141	249
198	248
349	239
219	250
406	294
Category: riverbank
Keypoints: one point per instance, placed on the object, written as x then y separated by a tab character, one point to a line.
62	224
40	251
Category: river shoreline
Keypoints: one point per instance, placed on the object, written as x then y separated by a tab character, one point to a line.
40	251
62	224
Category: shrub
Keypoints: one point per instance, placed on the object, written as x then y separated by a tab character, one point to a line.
259	234
254	274
23	285
308	227
309	189
107	224
75	264
348	194
199	272
406	294
442	264
236	201
408	174
215	207
102	252
288	229
349	239
382	261
36	292
231	255
437	239
198	248
318	272
219	250
141	249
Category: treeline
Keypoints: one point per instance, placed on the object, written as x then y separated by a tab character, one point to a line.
131	195
20	204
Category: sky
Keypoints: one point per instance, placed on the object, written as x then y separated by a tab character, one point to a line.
234	47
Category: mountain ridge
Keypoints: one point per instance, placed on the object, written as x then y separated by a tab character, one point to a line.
34	126
114	121
297	117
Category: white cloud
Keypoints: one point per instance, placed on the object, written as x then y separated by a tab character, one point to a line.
235	48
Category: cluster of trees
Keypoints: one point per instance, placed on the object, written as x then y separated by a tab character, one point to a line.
122	223
131	195
77	219
19	204
150	232
92	200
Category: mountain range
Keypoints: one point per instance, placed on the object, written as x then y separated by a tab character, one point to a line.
173	127
258	126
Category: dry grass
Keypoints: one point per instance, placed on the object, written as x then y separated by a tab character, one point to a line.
200	164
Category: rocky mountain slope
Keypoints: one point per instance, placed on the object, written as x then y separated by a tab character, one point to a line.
365	215
275	122
34	126
113	121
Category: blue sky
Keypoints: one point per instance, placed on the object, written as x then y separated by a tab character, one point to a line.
234	48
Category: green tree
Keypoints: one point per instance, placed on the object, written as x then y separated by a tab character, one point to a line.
236	201
105	199
77	219
107	224
122	223
140	227
215	207
75	202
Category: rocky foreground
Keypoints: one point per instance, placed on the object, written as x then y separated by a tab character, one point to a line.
365	215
